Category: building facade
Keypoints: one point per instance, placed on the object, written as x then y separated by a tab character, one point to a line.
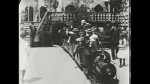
30	10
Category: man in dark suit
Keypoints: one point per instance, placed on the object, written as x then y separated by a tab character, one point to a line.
114	40
33	33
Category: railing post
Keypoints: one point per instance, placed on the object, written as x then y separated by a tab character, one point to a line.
63	16
102	17
69	16
96	16
105	17
91	16
28	13
99	17
110	17
115	16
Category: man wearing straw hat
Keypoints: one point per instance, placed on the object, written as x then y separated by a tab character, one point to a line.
80	43
88	33
72	38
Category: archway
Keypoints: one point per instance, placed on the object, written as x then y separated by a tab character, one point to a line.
42	11
70	9
98	8
29	16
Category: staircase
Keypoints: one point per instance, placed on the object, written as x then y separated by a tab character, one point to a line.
43	22
26	27
39	25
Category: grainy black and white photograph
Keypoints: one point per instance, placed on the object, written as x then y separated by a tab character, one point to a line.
74	42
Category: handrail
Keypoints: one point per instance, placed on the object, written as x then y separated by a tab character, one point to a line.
44	17
120	14
87	12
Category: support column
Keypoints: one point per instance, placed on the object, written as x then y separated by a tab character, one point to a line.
28	12
35	10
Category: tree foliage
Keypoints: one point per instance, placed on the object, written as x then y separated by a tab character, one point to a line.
51	4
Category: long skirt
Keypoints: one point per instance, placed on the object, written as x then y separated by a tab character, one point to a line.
22	62
83	52
23	55
123	53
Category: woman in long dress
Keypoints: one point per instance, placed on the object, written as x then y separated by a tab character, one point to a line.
23	54
124	43
122	54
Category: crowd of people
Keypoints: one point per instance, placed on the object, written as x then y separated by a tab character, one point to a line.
82	41
86	35
88	38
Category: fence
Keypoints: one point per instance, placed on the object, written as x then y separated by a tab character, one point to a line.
91	16
69	18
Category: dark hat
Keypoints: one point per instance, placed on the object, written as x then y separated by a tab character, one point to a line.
32	22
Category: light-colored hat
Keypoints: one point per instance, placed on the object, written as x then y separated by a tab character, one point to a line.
87	24
81	32
71	32
106	0
83	21
101	29
121	28
75	29
89	30
112	21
